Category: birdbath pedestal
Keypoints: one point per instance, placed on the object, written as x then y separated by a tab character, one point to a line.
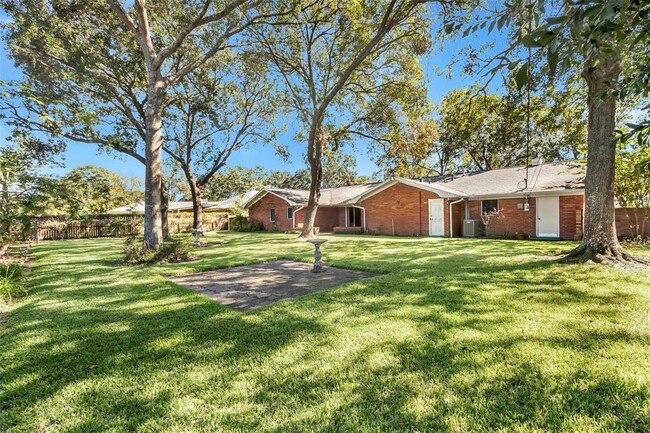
197	236
318	264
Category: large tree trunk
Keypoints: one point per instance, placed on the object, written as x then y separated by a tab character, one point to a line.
600	243
317	141
153	233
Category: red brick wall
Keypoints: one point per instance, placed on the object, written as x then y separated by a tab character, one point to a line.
326	218
404	207
341	222
627	217
511	220
474	209
407	209
571	208
458	211
514	220
260	212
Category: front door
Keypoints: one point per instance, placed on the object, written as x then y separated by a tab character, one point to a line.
436	217
548	217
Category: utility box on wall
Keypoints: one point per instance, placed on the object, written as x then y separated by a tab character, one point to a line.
472	228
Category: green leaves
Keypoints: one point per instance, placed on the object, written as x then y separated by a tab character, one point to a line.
522	75
538	38
632	185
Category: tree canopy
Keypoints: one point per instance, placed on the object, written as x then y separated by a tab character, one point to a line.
475	130
85	191
201	136
347	67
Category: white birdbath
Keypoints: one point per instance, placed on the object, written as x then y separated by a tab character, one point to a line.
197	236
318	264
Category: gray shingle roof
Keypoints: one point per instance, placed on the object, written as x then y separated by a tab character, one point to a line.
329	196
232	202
345	194
548	177
552	176
174	206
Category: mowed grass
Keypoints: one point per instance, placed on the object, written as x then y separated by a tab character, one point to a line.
452	335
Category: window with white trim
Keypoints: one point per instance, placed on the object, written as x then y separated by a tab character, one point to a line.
489	207
272	215
289	213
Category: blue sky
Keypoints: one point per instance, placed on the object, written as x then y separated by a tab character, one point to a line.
82	154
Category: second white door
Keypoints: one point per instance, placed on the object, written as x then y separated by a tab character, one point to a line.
436	217
548	217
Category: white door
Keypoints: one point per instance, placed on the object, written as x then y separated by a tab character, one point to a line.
548	217
436	217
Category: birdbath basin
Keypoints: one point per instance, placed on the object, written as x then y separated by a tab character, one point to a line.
318	264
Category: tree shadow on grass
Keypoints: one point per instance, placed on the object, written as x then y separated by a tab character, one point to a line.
441	342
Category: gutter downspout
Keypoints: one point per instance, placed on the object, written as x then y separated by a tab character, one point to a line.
293	221
364	215
451	217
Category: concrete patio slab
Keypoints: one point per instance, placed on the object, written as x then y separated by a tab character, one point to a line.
246	287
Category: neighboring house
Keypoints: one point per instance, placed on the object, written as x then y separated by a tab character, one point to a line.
549	205
231	203
223	206
217	215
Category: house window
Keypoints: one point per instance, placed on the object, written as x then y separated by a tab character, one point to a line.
354	217
489	207
290	213
272	215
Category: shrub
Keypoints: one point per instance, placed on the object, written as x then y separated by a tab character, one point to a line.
241	224
135	253
12	283
174	250
635	240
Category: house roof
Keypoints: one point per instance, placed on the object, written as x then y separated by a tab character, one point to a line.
345	194
329	196
548	178
232	202
174	206
542	178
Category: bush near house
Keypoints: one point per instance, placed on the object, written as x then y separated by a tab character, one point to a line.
241	223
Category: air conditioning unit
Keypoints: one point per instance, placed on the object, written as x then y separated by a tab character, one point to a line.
472	228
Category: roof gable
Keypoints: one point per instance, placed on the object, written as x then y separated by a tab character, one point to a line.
435	188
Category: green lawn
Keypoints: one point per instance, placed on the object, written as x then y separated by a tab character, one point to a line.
453	335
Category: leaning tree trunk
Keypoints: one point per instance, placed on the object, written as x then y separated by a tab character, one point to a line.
5	222
600	243
153	233
164	212
197	205
317	141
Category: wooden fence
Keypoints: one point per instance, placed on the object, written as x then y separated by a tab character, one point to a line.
54	228
88	230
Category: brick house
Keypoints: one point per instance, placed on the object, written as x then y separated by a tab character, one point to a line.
500	203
